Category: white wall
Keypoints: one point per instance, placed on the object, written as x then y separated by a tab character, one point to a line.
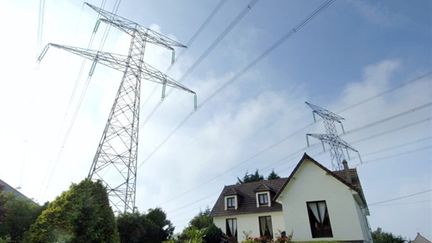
311	183
249	223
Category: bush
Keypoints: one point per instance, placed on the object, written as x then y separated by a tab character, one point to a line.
81	214
16	216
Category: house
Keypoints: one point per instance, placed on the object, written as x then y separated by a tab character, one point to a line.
4	187
312	204
420	239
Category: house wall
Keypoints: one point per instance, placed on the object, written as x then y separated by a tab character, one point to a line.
249	224
311	183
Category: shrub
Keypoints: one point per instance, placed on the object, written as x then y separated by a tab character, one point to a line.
81	214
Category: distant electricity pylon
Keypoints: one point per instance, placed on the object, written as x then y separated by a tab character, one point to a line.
337	145
118	148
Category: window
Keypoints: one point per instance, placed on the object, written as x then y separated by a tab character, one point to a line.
231	229
319	219
265	226
231	202
262	199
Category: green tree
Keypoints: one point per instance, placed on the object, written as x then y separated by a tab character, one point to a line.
16	216
202	225
380	236
273	176
151	227
81	214
250	177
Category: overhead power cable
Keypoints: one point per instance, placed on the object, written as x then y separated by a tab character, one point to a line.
390	118
272	164
401	197
296	29
418	78
82	95
207	51
275	45
302	149
188	44
41	17
392	156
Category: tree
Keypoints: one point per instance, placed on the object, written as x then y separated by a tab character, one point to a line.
273	176
250	178
81	214
16	216
151	227
202	225
380	236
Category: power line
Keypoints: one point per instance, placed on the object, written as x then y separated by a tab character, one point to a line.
296	29
418	78
207	51
82	95
393	155
302	149
391	117
218	39
401	197
188	44
275	45
397	146
290	167
393	129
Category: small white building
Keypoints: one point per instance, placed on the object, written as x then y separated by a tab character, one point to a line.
312	204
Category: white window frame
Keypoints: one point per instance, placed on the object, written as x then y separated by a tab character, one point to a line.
268	199
235	202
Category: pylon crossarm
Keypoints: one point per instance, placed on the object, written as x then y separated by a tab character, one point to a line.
115	61
125	27
129	27
324	113
152	74
112	17
156	38
327	138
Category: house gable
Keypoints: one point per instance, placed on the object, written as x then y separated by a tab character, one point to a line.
312	182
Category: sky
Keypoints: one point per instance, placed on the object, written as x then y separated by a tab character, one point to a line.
359	59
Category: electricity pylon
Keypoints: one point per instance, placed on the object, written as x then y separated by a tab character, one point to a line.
118	147
337	145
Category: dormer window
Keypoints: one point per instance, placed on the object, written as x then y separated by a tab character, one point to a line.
230	202
263	199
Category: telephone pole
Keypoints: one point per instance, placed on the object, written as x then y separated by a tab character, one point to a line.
115	161
337	145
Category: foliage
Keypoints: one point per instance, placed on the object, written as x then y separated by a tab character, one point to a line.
280	239
194	235
202	224
250	177
256	177
16	216
81	214
273	176
151	227
380	236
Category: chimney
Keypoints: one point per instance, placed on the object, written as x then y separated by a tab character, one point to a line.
347	173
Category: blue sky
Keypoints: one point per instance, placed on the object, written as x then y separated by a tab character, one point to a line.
350	52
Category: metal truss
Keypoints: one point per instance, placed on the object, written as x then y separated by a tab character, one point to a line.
337	145
115	161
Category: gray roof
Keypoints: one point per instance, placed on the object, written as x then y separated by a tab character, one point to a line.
9	189
246	197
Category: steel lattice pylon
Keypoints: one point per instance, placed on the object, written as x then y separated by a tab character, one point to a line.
118	147
337	145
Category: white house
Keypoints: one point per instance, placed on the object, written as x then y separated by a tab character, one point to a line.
312	204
